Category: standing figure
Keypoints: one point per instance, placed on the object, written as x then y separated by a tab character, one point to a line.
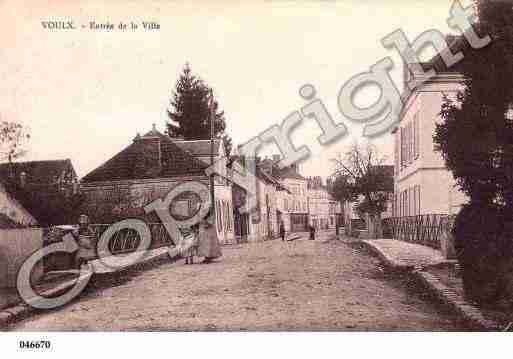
191	245
282	230
312	233
86	240
209	246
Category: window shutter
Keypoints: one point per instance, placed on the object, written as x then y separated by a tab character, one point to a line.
396	152
407	135
410	142
418	198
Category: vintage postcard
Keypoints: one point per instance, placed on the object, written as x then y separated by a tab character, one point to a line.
259	166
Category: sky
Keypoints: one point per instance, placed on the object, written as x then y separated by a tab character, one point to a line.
84	94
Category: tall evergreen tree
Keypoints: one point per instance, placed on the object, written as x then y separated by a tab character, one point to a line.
190	113
476	141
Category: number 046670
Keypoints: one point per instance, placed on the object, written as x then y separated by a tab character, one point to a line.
34	344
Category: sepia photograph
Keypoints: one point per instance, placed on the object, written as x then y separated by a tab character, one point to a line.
307	172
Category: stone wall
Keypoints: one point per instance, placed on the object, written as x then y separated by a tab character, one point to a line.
107	203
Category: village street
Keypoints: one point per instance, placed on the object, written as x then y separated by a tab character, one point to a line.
325	284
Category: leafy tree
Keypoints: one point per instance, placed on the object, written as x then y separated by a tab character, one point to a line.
343	190
476	141
361	179
190	112
12	138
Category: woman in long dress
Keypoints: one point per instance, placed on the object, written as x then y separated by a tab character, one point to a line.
209	246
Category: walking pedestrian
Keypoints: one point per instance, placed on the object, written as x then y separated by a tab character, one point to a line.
282	230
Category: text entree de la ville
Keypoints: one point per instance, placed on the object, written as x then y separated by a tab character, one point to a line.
101	26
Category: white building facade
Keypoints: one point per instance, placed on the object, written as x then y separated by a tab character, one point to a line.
323	210
293	204
422	183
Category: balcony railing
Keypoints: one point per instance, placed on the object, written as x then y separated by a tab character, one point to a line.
426	229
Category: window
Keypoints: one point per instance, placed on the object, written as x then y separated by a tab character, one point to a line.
411	204
405	203
225	215
409	148
230	218
218	216
417	198
415	209
397	153
410	142
403	148
416	136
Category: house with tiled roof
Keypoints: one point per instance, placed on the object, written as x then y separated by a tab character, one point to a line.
148	169
200	149
46	189
43	173
260	221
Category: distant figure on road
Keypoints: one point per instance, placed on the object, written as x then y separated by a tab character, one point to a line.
209	246
282	231
312	233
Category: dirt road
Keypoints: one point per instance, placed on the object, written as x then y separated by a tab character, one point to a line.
274	285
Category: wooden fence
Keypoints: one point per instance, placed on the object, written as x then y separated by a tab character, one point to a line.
426	229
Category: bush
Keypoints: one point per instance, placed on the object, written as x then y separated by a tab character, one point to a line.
483	242
476	141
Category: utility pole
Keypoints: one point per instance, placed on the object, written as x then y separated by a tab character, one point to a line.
212	119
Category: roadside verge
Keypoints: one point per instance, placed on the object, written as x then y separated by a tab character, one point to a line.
399	256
